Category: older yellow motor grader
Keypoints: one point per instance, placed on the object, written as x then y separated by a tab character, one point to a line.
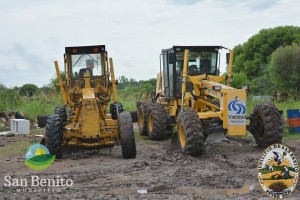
190	95
83	120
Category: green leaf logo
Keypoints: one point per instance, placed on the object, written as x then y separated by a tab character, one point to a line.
38	157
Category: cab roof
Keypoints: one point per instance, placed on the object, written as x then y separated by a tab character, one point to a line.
194	48
85	49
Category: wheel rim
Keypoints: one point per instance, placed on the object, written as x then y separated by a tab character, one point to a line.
141	119
150	122
182	136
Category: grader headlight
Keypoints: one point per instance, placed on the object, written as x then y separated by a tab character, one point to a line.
216	88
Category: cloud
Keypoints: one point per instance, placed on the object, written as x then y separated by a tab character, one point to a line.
184	2
35	34
251	5
259	5
19	66
19	58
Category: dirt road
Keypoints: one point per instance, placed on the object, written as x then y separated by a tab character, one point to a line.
158	172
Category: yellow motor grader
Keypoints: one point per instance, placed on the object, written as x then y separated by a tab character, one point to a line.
191	95
84	120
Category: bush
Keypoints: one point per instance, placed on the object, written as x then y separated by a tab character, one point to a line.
28	90
285	69
239	80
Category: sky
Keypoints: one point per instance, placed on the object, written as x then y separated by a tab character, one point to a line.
34	33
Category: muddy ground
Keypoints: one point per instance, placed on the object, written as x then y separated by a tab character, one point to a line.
226	171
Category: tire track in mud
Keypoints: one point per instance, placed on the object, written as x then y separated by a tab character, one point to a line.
163	172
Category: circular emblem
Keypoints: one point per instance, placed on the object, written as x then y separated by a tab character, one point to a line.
38	157
278	171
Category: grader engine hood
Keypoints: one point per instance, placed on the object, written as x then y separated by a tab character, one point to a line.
90	119
88	93
232	106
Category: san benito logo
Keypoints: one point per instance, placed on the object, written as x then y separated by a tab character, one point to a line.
38	157
278	171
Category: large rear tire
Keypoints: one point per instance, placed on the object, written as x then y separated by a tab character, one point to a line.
157	119
142	117
266	126
53	135
190	133
127	135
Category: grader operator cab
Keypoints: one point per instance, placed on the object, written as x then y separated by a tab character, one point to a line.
83	120
191	95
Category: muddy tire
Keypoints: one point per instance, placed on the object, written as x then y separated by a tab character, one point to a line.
266	126
42	120
116	109
190	133
53	135
157	122
62	112
126	135
43	141
134	116
142	117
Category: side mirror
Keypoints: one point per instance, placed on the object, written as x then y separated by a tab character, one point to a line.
227	58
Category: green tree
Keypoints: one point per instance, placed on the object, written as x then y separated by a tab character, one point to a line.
28	90
132	80
10	98
55	81
254	56
123	79
285	69
239	80
262	85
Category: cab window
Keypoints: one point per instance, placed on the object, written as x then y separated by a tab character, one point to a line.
84	65
199	63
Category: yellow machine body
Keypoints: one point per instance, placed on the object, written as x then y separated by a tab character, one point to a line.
86	97
207	89
192	96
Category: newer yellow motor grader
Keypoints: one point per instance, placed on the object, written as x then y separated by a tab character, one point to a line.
84	120
191	95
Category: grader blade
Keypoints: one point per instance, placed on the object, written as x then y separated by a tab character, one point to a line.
215	138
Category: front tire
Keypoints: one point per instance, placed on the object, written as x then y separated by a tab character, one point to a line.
126	135
134	116
42	120
190	133
53	135
157	119
142	118
266	126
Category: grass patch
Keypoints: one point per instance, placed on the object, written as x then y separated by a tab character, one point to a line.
15	148
290	136
20	143
38	106
146	139
284	106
